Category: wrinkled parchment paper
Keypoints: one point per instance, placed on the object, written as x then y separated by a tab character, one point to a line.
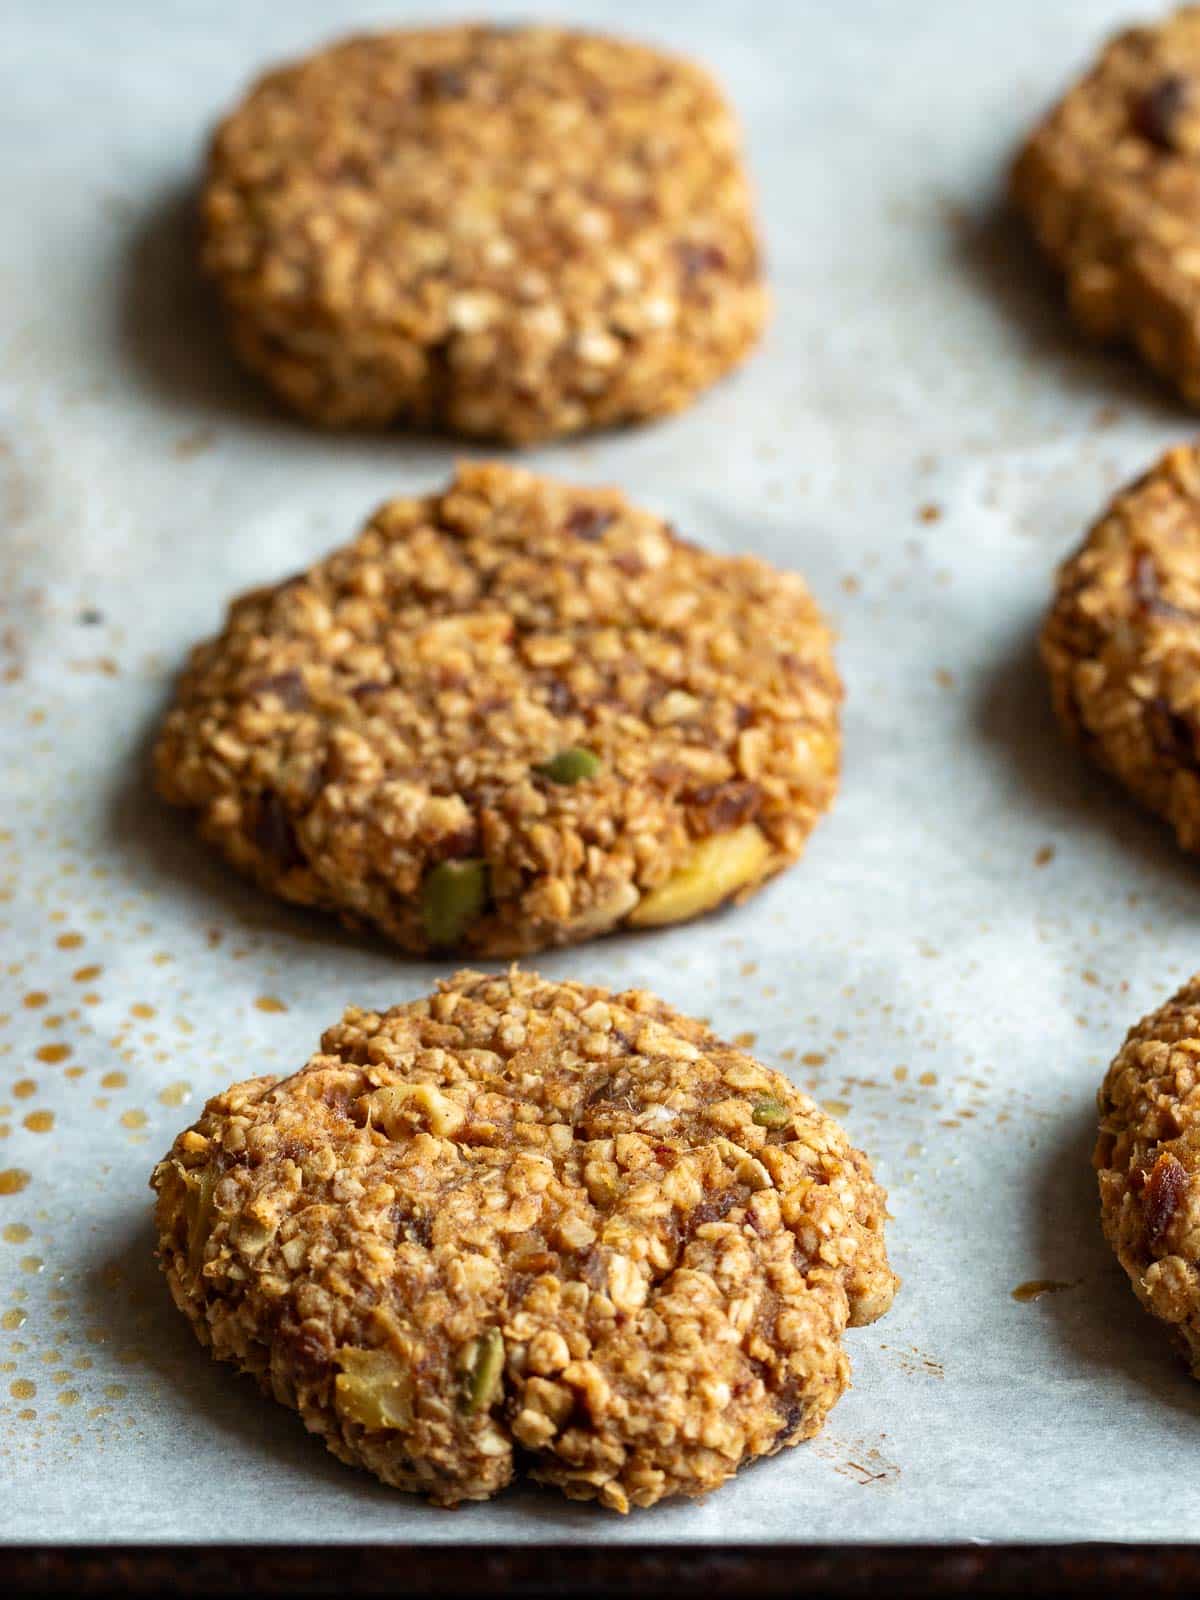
952	965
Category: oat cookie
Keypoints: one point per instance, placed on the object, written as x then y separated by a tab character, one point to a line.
529	1224
1148	1161
1110	182
1122	641
512	715
507	232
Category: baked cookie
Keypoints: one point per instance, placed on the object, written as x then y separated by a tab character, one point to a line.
1148	1161
1110	182
513	232
1122	641
529	1224
512	715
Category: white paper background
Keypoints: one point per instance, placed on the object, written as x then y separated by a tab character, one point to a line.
917	357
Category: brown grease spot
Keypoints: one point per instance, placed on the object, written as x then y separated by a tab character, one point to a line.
16	1233
140	1009
22	1389
23	1088
133	1119
113	1080
69	941
86	974
176	1094
13	1180
36	998
40	1121
269	1002
52	1054
14	1319
1044	856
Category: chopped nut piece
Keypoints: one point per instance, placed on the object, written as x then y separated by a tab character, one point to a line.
718	868
199	1211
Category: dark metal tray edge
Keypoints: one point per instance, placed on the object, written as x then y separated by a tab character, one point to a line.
591	1572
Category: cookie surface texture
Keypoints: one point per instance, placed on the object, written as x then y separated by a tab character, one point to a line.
1122	641
1110	182
512	715
528	1226
1148	1162
513	233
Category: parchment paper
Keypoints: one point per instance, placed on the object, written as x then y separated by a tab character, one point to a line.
952	965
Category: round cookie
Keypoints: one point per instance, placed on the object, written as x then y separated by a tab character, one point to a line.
512	715
509	232
1148	1161
522	1224
1122	641
1110	183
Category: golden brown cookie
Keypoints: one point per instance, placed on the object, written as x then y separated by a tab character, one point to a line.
1110	182
512	715
523	1224
1122	641
513	232
1148	1161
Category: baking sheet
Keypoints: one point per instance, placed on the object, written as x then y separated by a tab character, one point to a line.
950	968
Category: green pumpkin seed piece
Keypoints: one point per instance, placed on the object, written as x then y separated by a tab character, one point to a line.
571	765
771	1114
452	896
484	1367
